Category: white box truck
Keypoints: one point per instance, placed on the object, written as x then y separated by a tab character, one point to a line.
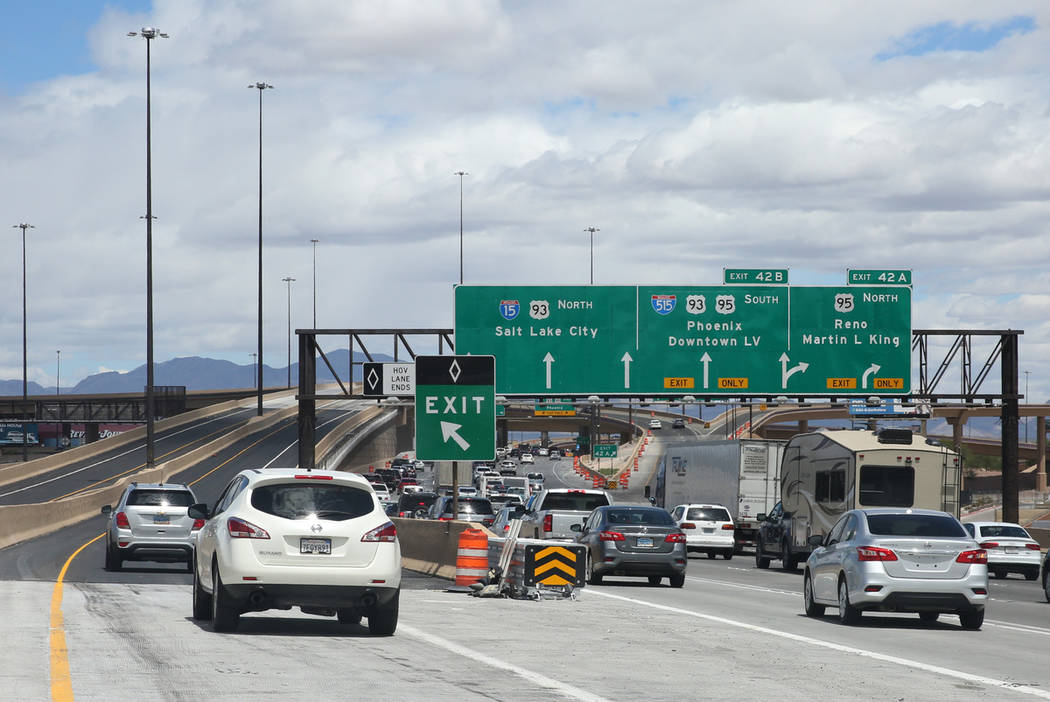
742	475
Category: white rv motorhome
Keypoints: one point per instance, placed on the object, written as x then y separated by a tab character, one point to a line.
826	473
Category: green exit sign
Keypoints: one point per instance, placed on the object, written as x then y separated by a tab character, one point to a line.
605	450
858	276
755	276
455	408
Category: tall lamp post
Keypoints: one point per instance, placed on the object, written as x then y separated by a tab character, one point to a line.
315	242
25	396
592	230
58	372
461	174
254	357
289	281
149	34
259	379
1027	401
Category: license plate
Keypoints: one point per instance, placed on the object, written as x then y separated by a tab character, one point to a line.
1010	549
320	546
645	541
161	519
709	530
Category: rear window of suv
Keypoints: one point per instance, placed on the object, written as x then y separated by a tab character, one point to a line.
712	514
918	525
469	506
160	498
298	501
574	502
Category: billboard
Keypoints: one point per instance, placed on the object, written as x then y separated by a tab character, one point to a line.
11	433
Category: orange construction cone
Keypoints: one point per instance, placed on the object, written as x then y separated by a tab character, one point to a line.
472	557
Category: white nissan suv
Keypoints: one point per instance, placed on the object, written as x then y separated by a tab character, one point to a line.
283	538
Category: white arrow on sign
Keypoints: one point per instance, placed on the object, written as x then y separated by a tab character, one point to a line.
626	369
449	430
548	359
785	373
873	368
706	360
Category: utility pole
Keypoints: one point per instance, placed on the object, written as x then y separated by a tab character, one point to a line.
259	378
314	242
592	230
289	281
25	397
461	174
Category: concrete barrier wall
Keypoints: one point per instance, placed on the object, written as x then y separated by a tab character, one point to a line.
21	522
429	546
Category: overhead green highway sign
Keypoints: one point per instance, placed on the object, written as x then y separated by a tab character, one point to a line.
755	276
690	340
455	408
605	450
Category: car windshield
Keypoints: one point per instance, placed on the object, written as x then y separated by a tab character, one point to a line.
712	514
299	501
1004	530
574	501
468	506
920	525
650	517
160	498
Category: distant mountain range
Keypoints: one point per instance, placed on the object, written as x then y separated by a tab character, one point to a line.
196	373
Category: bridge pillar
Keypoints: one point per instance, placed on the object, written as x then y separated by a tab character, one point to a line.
545	439
502	438
90	433
957	431
803	426
1040	444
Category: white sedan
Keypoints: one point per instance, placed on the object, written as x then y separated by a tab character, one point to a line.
1010	548
280	538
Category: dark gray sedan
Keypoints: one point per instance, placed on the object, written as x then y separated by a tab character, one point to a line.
634	541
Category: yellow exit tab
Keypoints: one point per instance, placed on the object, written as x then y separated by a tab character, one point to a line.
679	383
842	383
732	383
888	383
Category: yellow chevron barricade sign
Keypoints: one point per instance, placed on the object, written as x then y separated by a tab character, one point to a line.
554	565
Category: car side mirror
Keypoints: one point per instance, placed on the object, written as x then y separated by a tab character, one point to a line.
652	501
761	517
198	511
576	527
815	540
107	509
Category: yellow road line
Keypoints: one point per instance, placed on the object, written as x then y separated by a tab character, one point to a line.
61	683
261	439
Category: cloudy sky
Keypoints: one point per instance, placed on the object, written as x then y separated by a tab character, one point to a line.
813	136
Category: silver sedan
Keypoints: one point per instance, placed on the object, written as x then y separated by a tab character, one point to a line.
897	560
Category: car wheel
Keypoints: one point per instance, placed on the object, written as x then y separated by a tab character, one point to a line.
711	554
224	615
113	561
761	561
929	617
349	616
677	580
1046	587
787	561
201	599
848	614
1031	576
971	621
654	579
728	555
593	578
812	608
382	621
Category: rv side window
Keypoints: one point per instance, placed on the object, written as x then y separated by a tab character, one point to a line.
831	486
887	486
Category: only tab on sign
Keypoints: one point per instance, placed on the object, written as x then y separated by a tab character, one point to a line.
888	383
732	383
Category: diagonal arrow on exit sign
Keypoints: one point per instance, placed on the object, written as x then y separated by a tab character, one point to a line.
451	431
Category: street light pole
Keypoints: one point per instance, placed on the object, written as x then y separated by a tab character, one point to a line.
461	174
259	379
314	242
1027	401
289	281
592	230
58	372
149	34
25	396
254	357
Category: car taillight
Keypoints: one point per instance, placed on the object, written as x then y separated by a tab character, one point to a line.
686	525
400	514
197	524
548	523
313	477
385	532
611	536
729	527
979	556
675	538
122	521
488	522
874	553
990	544
444	519
240	529
1033	547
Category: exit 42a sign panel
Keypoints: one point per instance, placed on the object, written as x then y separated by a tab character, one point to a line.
690	340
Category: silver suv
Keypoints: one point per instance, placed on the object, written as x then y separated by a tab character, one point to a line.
149	523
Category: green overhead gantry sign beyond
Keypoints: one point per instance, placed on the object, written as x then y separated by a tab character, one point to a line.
733	340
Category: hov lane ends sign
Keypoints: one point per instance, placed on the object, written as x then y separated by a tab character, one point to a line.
455	408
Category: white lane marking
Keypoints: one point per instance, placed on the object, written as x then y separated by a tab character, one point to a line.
133	449
949	672
286	448
1042	631
742	586
535	678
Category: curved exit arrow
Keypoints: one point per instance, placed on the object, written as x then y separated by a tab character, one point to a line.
873	368
449	430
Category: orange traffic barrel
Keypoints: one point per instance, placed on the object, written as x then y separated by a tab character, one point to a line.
472	557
